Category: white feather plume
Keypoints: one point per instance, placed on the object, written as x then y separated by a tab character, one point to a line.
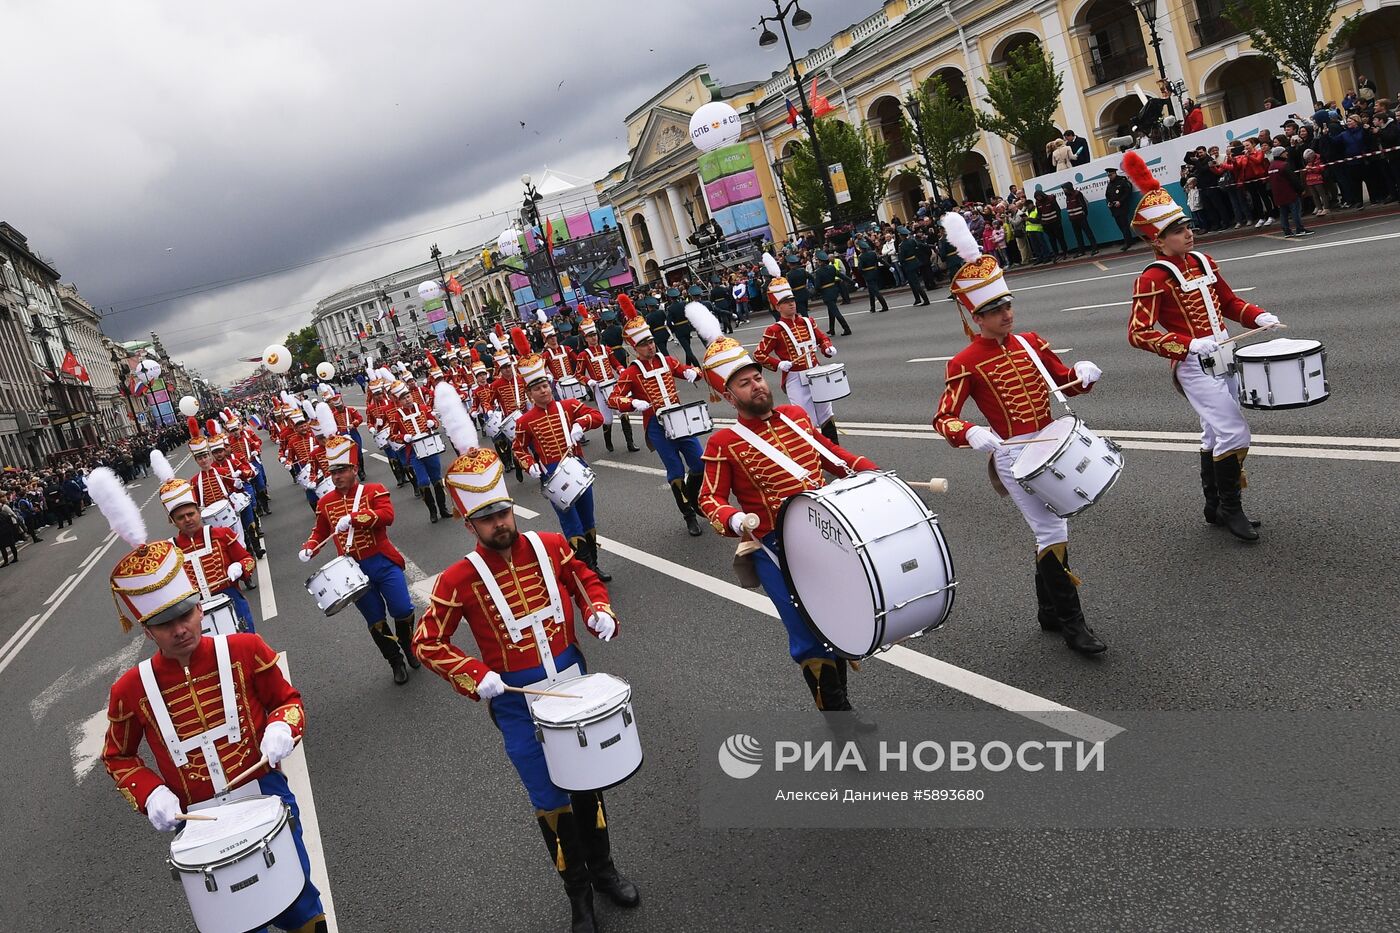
117	506
772	266
454	417
287	398
704	322
961	237
387	376
161	467
325	420
541	316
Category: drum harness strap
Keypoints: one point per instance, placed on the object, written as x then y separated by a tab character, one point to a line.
354	507
564	428
534	622
229	730
1201	285
1044	373
659	375
197	561
807	348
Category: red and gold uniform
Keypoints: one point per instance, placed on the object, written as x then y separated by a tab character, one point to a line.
653	382
370	521
560	360
792	346
214	483
347	418
508	389
1166	318
408	420
214	550
540	435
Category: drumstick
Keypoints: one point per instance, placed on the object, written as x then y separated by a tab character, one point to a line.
246	774
542	693
1251	333
937	484
1029	440
194	816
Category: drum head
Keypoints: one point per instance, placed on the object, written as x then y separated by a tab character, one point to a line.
1035	456
827	575
1271	349
241	825
599	695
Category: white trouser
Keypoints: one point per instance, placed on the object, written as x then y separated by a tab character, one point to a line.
1047	527
600	400
800	394
1216	401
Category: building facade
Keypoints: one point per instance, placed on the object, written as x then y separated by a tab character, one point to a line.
82	328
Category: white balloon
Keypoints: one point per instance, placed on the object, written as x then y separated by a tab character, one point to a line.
429	290
713	125
325	370
508	243
189	406
147	371
277	358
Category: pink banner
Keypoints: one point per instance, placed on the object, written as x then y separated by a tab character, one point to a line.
580	225
741	186
518	281
717	194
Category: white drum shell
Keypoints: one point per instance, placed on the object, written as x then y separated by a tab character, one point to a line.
569	387
595	751
221	514
570	479
338	584
251	879
827	383
426	445
220	618
325	486
691	419
1076	474
866	563
1282	373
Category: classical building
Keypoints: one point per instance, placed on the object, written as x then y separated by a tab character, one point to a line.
1101	47
82	329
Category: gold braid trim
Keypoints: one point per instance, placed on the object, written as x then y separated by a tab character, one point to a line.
142	591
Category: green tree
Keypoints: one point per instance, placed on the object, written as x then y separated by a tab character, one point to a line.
947	130
1024	97
863	158
306	348
1287	32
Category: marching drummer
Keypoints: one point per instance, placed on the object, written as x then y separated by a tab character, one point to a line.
647	385
558	359
347	421
176	700
1180	305
791	345
509	390
597	367
517	593
997	372
545	435
230	464
758	462
358	516
247	446
411	419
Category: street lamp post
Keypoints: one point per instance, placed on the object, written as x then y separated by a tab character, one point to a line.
442	276
801	19
911	104
1148	10
530	217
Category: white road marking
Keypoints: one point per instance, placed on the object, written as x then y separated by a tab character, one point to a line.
634	467
58	592
298	775
1012	699
64	537
18	632
1102	267
1119	304
85	740
73	680
267	598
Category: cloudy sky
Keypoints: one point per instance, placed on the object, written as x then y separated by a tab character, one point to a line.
193	165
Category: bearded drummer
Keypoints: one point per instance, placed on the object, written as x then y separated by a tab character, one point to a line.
737	467
186	687
517	593
1180	304
647	385
544	436
597	367
997	373
358	516
792	345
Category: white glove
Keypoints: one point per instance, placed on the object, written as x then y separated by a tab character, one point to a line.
306	554
736	522
343	525
536	470
491	686
235	572
379	422
640	404
161	807
1266	320
237	483
1203	346
602	625
830	351
980	438
1087	372
277	742
785	365
577	433
691	375
431	423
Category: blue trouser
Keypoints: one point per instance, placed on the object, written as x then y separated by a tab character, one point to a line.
678	457
512	716
803	645
354	435
260	476
311	497
577	520
240	606
308	902
388	589
427	470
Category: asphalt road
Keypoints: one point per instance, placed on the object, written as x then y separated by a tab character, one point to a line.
424	826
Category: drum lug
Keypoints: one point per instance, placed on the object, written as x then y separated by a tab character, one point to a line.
539	734
268	858
1081	494
627	715
1056	473
174	872
1086	440
210	884
582	736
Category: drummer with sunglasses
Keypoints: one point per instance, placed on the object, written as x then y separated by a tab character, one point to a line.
358	515
516	593
176	700
997	373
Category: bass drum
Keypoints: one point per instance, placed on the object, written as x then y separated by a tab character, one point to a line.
865	562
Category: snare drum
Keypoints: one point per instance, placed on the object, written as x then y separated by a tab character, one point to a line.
338	584
241	870
324	486
221	514
826	383
220	618
1282	373
570	479
569	387
869	528
590	743
427	445
240	501
605	387
691	419
1072	471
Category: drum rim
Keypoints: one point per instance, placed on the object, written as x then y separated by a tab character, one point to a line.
1078	421
253	848
1092	502
1318	400
558	685
1319	350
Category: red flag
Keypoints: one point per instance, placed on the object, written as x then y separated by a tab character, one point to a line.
454	286
548	231
72	367
792	113
820	105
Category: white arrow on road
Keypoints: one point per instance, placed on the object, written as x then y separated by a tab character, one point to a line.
73	680
64	537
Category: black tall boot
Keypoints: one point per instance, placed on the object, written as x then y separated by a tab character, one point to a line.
561	836
403	631
264	505
390	649
1209	488
829	431
592	820
627	435
687	510
1063	588
592	560
1229	478
825	678
607	436
400	477
1045	604
427	492
440	493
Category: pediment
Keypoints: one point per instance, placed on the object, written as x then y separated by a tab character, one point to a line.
666	131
